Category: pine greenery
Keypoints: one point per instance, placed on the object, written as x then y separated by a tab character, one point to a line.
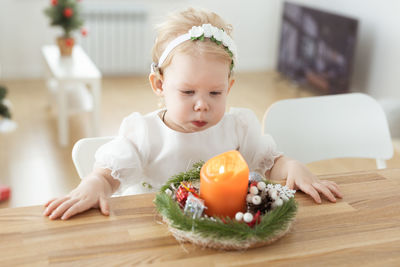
56	13
271	223
191	175
4	111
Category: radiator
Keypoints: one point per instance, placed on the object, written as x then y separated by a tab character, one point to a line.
116	40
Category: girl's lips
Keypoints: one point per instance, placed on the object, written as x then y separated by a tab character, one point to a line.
199	123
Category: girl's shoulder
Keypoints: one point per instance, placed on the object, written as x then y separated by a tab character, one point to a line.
138	123
242	116
137	116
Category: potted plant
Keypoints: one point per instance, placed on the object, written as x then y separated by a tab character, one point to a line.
6	124
66	14
4	105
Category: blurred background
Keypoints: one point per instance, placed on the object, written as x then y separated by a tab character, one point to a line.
355	45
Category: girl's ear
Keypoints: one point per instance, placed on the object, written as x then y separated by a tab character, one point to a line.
156	84
231	82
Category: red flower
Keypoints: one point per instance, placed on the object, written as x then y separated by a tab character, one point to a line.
54	2
84	31
253	184
68	12
69	42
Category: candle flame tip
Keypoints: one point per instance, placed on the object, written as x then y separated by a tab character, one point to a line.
221	169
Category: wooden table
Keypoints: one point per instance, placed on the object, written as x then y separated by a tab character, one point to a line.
362	229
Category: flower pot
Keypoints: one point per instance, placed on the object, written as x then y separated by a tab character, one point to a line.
66	44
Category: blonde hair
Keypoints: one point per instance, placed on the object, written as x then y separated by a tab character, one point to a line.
181	22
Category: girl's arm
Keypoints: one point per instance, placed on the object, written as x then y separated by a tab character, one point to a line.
93	192
299	177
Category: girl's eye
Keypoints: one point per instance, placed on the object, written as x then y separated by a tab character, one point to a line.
215	93
187	92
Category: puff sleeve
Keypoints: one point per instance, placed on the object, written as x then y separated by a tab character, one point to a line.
126	154
259	150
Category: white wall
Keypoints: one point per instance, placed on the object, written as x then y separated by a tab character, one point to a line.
22	32
24	29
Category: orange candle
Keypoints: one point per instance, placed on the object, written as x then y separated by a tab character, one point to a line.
223	184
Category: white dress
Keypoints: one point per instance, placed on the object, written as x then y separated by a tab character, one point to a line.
148	151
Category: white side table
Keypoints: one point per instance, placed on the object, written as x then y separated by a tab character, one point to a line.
70	78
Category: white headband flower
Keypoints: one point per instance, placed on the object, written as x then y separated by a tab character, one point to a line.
196	31
219	36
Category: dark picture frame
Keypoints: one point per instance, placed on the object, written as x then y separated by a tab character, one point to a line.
317	48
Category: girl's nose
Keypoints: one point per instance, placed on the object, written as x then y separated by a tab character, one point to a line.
201	105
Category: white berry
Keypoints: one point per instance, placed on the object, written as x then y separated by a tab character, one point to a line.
249	198
248	217
278	202
253	190
261	186
256	200
273	194
239	216
285	198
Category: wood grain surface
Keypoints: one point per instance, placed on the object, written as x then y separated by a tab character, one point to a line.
361	229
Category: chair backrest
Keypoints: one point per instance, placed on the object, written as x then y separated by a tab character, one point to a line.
83	153
326	127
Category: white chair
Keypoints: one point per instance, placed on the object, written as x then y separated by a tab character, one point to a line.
83	153
326	127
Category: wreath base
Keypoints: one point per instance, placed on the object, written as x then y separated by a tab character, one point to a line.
276	224
222	244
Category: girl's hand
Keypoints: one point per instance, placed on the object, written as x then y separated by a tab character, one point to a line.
299	177
92	192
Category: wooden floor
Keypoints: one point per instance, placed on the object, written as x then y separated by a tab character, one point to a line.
37	168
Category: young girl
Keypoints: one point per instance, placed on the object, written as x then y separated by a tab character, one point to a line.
193	57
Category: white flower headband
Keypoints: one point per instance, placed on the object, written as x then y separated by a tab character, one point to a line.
219	36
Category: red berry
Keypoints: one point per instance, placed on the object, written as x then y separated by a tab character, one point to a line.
68	12
84	32
69	42
256	219
54	2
